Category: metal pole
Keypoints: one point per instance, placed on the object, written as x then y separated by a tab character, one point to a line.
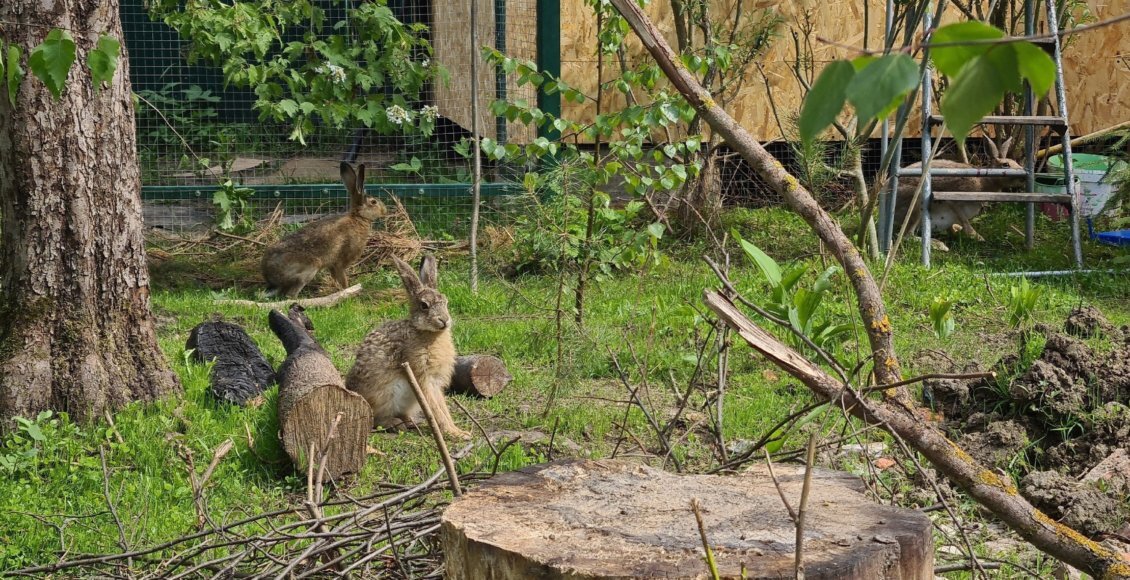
477	163
1030	136
499	74
885	206
549	60
927	185
1068	165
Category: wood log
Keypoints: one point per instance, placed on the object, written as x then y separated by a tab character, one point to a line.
480	375
613	519
311	396
241	373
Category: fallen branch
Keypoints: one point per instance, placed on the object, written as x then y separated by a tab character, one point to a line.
328	300
984	485
1082	140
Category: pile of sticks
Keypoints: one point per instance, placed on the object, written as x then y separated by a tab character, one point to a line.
391	532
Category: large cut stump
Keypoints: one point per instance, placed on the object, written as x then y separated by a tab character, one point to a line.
241	372
480	375
612	519
317	415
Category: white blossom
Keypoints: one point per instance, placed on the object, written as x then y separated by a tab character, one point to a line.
397	115
425	63
429	113
333	71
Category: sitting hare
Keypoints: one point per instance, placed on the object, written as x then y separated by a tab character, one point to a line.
333	242
423	340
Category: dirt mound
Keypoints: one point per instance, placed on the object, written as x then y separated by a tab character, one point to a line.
1051	419
1080	505
1088	321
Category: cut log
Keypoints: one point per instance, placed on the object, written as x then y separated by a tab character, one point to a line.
613	519
241	372
480	375
311	396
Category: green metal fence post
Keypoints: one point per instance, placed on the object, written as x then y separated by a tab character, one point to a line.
549	59
499	74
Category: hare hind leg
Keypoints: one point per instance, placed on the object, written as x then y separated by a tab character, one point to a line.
340	275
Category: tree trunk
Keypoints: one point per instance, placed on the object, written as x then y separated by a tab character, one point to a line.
76	333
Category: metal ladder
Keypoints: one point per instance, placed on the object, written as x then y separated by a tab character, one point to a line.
1058	123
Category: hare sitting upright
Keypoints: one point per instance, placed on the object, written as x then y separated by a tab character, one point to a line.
333	242
423	340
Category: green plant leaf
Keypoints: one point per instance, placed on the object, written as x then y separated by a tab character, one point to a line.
949	60
1035	65
14	74
825	100
51	61
768	266
978	88
656	230
103	60
877	89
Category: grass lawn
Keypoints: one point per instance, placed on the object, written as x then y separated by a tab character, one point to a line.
53	501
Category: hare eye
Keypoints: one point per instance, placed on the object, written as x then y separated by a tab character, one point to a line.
425	306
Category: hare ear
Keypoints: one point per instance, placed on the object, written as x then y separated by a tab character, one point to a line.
407	276
361	177
991	146
428	275
349	178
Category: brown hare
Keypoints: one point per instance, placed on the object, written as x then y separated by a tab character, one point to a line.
955	216
423	340
333	242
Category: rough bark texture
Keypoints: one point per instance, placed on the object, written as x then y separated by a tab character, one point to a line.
613	519
76	332
241	372
311	397
480	375
871	306
997	493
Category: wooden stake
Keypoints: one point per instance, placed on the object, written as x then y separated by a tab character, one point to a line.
448	464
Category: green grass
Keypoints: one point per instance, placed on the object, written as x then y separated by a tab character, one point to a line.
648	321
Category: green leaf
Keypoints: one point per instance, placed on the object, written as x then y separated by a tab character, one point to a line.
15	73
52	59
877	90
1035	65
656	230
103	61
825	100
978	88
35	432
949	60
768	266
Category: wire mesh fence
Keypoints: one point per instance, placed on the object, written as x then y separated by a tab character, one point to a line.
194	134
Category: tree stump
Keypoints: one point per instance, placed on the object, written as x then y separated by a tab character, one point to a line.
480	375
241	372
612	519
313	400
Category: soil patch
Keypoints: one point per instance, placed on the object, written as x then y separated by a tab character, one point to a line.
1051	418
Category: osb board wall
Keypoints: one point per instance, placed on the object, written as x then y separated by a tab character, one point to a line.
451	41
1097	63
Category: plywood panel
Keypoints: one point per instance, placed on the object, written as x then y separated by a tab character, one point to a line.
451	34
1097	64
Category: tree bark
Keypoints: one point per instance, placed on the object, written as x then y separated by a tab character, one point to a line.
76	332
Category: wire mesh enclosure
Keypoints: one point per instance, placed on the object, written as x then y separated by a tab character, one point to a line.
195	134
